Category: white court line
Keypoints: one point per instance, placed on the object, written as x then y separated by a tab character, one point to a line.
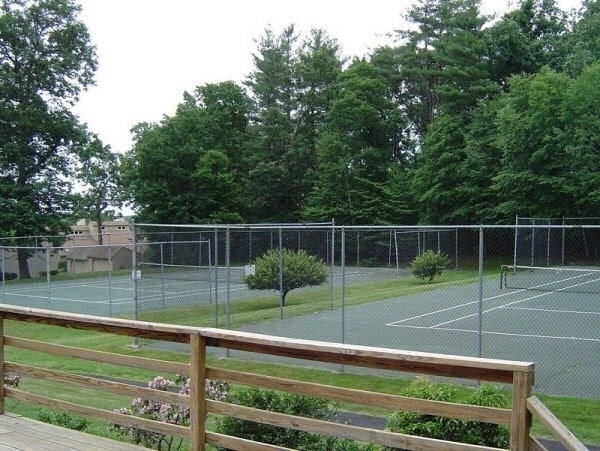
395	323
435	312
511	303
66	299
552	337
118	301
510	293
577	312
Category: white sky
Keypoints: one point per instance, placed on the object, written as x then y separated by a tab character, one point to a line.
151	51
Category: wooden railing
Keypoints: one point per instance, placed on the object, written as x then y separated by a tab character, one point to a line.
519	374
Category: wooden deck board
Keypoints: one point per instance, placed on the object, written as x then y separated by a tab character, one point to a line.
20	434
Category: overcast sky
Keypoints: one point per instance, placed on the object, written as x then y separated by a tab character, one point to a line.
151	51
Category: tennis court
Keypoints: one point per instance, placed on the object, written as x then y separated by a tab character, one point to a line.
551	317
549	323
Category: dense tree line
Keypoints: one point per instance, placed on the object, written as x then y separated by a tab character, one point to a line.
466	119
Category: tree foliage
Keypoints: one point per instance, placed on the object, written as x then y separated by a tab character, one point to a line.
188	167
99	174
464	119
299	270
46	59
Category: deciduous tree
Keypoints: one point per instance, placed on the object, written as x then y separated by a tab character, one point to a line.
99	174
46	59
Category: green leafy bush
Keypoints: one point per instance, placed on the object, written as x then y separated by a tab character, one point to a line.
299	270
64	419
290	404
429	264
451	429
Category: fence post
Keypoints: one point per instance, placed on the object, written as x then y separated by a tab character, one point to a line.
480	296
197	391
3	277
48	286
521	417
2	364
280	274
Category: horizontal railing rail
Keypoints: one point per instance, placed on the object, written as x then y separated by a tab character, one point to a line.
519	374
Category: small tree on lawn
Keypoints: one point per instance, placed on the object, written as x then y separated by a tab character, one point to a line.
299	270
429	264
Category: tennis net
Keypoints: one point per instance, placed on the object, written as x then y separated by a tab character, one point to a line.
555	279
190	273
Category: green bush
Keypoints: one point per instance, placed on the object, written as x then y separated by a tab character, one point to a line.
290	404
299	270
8	275
64	419
451	429
429	264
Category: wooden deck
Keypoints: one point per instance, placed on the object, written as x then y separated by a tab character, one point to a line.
20	433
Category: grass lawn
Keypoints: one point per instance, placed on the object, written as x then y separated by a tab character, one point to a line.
303	302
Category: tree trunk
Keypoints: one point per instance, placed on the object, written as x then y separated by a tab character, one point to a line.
99	224
22	255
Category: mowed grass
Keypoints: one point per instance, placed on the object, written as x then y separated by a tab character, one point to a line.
303	301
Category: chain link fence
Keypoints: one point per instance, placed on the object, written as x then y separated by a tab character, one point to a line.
524	292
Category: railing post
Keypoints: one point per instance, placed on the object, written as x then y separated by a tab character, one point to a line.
2	364
521	417
197	391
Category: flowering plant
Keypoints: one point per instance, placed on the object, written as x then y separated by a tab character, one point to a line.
12	380
168	413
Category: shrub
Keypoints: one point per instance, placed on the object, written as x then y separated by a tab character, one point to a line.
429	264
64	419
299	270
290	404
488	434
432	426
164	412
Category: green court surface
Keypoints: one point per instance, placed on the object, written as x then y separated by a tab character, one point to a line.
559	329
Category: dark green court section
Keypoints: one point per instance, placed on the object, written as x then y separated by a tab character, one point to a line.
560	332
